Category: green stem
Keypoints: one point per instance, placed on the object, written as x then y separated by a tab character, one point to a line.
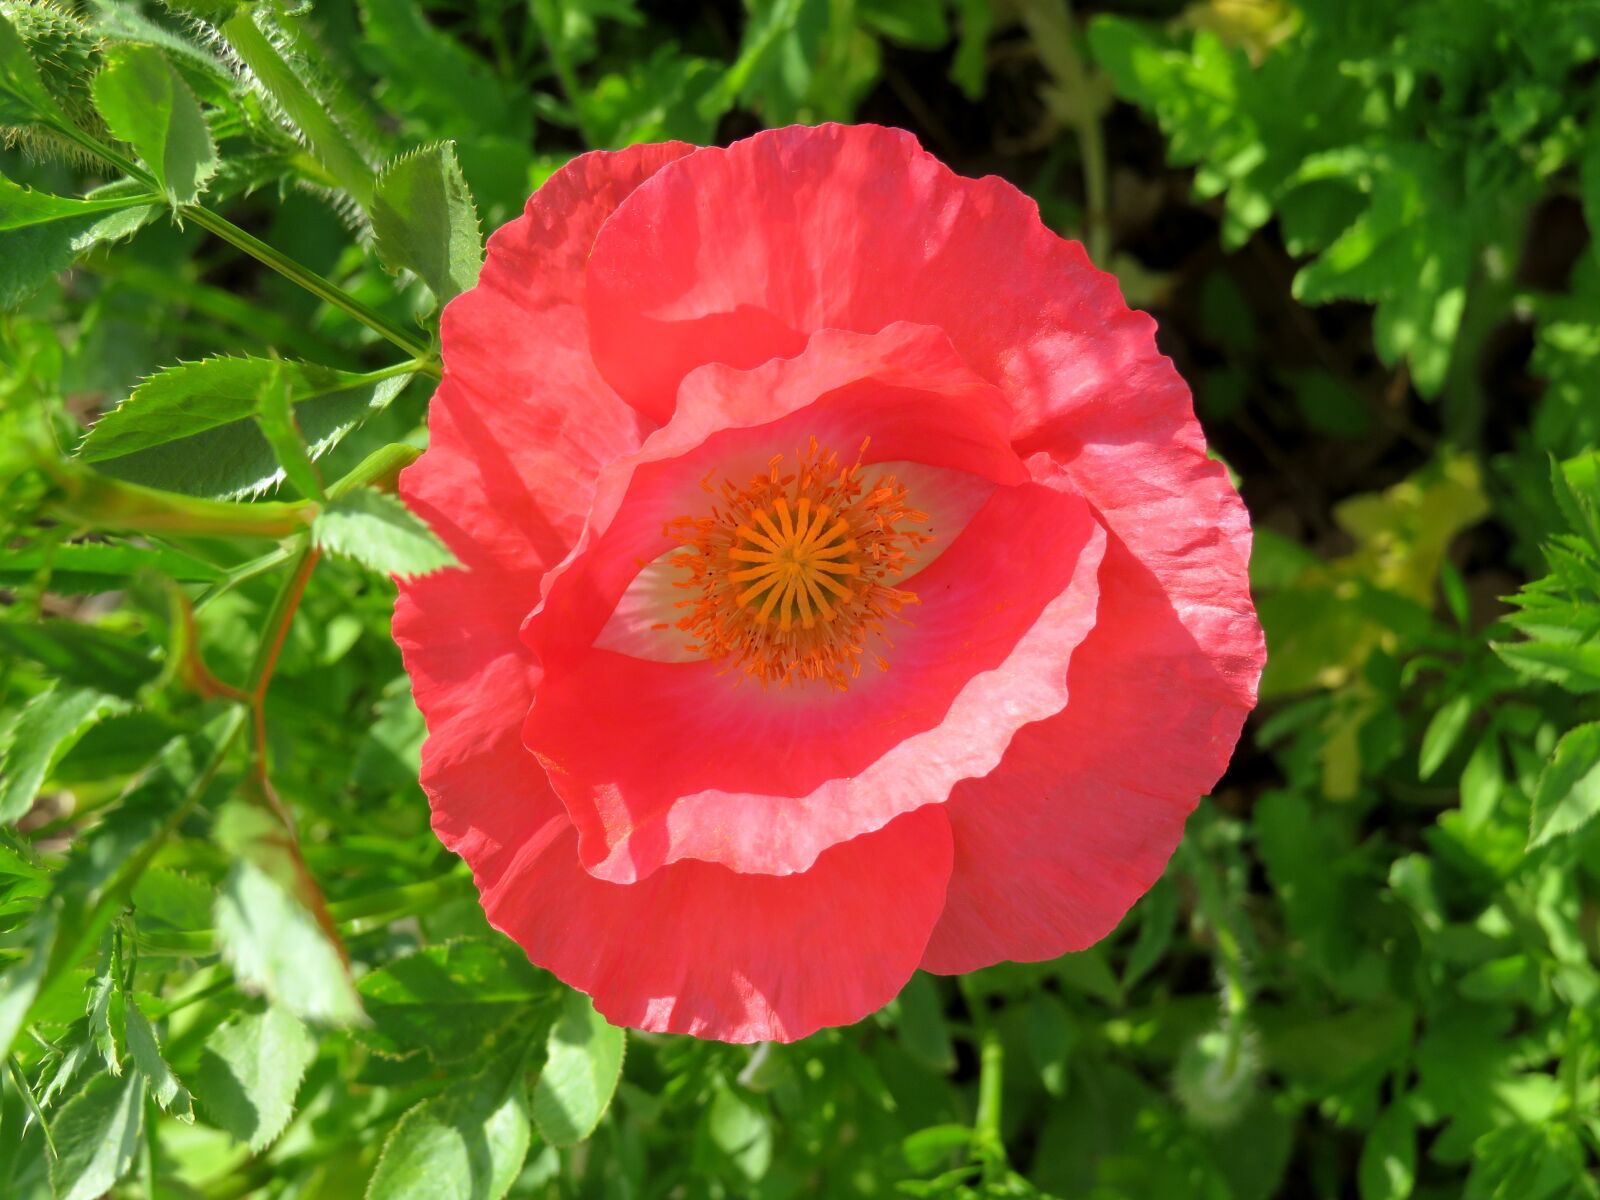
1217	913
379	469
277	626
229	232
354	917
991	1078
100	502
360	914
244	571
1049	22
304	276
988	1144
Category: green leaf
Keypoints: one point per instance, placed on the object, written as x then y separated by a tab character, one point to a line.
165	895
272	925
1051	1038
147	104
741	1131
249	1072
1569	789
23	980
48	727
275	418
190	428
1158	918
42	235
105	1002
448	1000
580	1073
424	221
145	1049
23	99
909	22
84	655
467	1144
969	70
22	207
1388	1167
1444	731
81	569
288	79
935	1147
921	1024
1589	183
93	885
379	532
97	1136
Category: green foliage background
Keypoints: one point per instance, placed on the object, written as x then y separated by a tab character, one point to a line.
233	959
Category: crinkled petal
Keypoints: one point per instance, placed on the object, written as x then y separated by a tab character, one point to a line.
694	949
522	423
660	761
851	228
1081	816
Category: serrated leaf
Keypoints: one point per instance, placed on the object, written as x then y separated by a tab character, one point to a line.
105	1002
41	235
583	1064
272	925
284	76
80	1048
86	891
22	207
23	979
379	532
31	1107
190	428
250	1071
145	1050
467	1144
1568	796
275	418
447	1000
147	104
424	221
49	726
97	1136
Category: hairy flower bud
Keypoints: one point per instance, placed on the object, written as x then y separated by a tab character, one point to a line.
67	53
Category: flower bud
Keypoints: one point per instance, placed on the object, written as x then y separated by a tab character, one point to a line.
1216	1076
66	52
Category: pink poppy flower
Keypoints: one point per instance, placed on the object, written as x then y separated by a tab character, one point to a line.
845	588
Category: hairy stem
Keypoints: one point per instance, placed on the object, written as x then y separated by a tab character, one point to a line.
323	289
304	276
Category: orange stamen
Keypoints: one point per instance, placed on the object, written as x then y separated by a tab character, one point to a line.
789	575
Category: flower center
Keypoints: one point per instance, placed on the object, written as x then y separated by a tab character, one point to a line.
790	572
